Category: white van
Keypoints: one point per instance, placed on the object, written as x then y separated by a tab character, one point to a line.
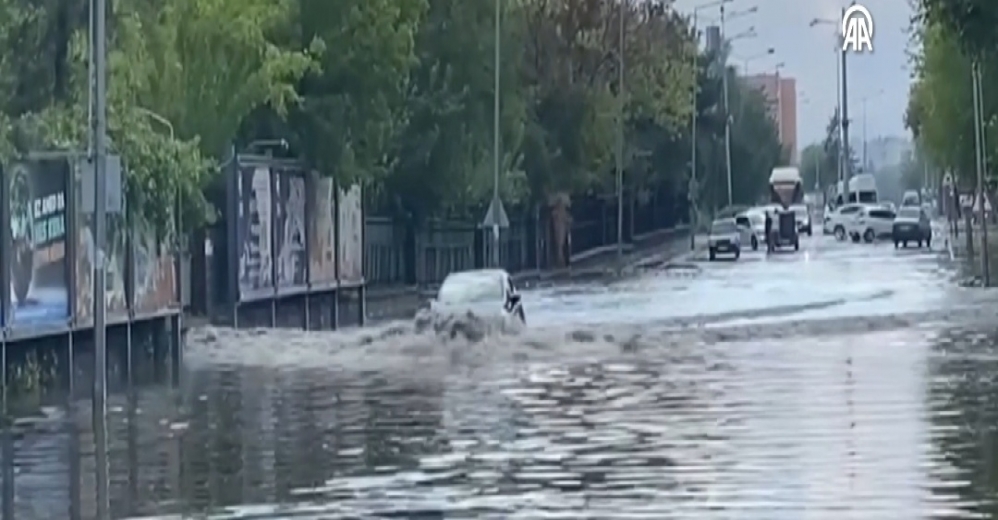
862	189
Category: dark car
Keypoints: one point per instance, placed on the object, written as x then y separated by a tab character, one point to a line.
911	225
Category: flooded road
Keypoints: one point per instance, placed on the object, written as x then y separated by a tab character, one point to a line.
841	381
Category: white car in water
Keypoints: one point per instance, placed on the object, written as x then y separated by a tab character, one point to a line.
485	293
871	223
753	226
837	221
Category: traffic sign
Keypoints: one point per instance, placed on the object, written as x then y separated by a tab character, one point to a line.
114	187
495	217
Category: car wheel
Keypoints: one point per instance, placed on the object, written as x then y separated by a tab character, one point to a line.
928	242
919	243
855	238
796	245
905	244
755	243
868	236
713	255
840	233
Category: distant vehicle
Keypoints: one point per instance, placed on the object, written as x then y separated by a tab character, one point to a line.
862	189
911	198
483	292
911	225
753	226
786	189
803	216
836	221
725	237
871	223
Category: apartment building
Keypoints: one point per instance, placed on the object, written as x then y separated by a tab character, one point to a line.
781	93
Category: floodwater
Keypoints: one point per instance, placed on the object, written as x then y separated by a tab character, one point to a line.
843	381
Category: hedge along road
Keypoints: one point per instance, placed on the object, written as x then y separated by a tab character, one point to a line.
846	378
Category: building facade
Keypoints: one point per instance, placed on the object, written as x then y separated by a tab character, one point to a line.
781	93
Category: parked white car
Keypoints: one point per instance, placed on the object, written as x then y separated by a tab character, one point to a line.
803	216
871	223
752	223
836	220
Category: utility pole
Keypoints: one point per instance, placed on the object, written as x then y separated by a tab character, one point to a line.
846	159
727	114
981	160
98	156
692	187
620	140
495	136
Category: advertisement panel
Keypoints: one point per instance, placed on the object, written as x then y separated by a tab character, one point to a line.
115	289
322	231
351	236
289	229
253	235
153	274
39	274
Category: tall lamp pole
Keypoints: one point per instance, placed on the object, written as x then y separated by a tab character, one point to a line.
620	138
495	136
845	162
981	160
98	157
750	33
693	186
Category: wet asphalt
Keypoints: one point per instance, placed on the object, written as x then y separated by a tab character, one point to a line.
841	381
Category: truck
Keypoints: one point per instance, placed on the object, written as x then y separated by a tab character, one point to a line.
786	189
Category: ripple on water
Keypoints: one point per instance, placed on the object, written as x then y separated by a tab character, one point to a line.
664	421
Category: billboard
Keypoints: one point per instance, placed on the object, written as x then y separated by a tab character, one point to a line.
351	236
116	294
39	274
154	279
253	233
289	229
322	231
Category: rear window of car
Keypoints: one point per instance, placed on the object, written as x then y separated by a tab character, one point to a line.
881	213
721	228
470	288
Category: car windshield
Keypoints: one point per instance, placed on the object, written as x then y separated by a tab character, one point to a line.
913	213
723	228
471	288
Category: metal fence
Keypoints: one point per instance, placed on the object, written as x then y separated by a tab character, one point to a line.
402	253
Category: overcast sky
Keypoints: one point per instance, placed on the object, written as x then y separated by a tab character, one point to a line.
809	54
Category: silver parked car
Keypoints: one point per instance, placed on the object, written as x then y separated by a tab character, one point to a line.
753	226
725	237
911	225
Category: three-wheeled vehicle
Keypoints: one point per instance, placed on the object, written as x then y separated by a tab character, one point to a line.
785	190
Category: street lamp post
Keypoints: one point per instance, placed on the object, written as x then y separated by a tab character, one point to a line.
495	135
693	187
98	156
981	162
745	61
779	102
620	138
750	33
841	94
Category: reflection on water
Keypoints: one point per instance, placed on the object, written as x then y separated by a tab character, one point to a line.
889	424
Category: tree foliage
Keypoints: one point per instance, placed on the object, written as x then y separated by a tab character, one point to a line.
394	94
